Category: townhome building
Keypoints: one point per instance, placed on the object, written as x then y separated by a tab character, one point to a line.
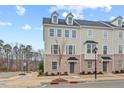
69	45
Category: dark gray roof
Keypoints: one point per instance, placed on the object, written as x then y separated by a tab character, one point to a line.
91	23
90	41
81	22
60	21
106	58
72	58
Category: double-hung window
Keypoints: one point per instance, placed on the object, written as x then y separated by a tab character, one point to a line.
69	20
90	34
89	63
120	34
66	33
90	47
105	34
52	33
59	33
55	49
104	49
70	49
73	33
120	50
54	65
54	19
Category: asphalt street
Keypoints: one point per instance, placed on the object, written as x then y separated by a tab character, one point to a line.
89	84
7	74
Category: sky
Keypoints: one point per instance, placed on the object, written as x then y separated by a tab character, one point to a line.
23	24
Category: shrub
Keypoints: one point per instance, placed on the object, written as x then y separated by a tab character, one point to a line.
58	73
46	74
121	71
100	72
89	72
52	74
116	71
41	67
83	72
65	73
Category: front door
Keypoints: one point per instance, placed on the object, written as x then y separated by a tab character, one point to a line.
71	67
104	66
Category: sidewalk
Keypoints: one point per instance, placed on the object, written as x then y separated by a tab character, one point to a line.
31	79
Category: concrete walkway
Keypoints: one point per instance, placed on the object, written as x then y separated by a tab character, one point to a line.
31	79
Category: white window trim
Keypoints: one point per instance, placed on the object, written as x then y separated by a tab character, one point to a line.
57	32
122	48
103	49
68	20
73	46
91	65
52	65
53	19
104	35
49	31
88	34
119	34
51	50
118	22
91	48
69	33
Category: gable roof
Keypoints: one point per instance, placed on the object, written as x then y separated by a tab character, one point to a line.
68	15
54	12
117	18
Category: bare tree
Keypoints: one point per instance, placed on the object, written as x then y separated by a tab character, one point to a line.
61	49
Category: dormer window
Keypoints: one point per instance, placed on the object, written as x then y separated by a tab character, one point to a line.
119	22
55	17
69	19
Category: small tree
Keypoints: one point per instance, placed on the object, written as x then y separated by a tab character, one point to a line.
60	54
41	67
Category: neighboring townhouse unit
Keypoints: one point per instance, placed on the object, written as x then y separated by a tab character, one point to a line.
70	42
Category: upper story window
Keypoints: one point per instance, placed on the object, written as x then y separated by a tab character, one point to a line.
66	33
51	32
69	19
90	34
70	49
55	49
54	65
104	49
73	33
119	22
54	17
120	34
59	33
90	47
120	50
105	34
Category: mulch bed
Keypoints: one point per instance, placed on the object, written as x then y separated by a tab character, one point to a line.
73	82
58	80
